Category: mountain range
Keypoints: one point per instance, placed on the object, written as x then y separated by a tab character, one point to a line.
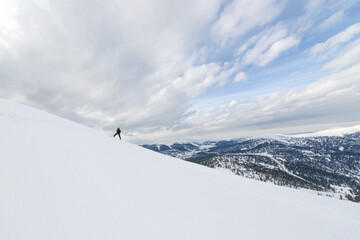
327	161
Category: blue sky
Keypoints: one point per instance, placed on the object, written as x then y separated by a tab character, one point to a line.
167	71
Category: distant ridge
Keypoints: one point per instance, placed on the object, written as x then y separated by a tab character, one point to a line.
330	132
327	161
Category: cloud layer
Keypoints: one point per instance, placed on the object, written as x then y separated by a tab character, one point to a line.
142	65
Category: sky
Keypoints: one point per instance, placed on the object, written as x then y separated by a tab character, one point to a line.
185	70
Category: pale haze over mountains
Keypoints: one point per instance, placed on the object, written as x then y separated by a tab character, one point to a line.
185	70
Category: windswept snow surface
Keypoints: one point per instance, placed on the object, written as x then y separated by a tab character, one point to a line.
61	180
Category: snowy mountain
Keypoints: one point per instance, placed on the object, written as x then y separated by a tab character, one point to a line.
61	180
324	161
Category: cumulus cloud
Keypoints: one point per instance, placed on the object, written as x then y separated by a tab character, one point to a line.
142	65
106	62
240	77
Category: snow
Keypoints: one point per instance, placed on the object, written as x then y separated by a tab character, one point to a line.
206	147
61	180
281	166
340	132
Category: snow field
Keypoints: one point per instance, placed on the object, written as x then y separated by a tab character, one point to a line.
61	180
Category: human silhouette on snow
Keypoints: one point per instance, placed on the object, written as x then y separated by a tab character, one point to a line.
118	131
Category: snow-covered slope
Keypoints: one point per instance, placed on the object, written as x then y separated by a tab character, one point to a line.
60	180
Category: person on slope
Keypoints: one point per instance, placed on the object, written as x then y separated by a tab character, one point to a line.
118	131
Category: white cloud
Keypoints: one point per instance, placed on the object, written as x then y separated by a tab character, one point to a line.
278	48
321	14
332	99
240	77
335	41
332	20
107	63
268	45
312	6
142	65
349	57
240	16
